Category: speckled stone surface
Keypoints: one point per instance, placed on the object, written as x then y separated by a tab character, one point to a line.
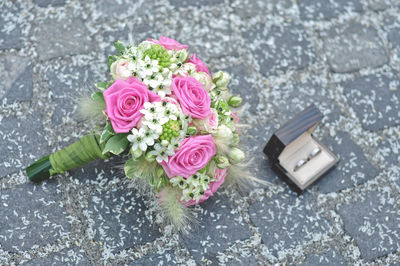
343	56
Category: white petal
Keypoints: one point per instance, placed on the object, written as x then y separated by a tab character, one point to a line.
143	146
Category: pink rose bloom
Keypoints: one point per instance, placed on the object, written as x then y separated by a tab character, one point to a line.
124	100
220	175
200	65
169	44
192	96
193	154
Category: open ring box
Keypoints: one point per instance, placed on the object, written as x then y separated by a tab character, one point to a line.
293	145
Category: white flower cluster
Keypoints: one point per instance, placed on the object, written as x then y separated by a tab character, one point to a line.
194	187
134	62
156	116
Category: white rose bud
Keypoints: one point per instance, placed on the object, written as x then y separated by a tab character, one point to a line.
224	132
122	69
205	80
221	79
235	155
221	161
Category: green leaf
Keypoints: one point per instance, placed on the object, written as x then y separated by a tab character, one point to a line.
111	59
130	168
116	144
107	132
119	46
98	97
102	85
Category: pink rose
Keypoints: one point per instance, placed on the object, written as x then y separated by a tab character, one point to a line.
220	175
124	100
192	96
169	44
193	154
200	65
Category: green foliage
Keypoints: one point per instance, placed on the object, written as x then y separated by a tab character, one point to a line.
99	98
102	85
141	168
116	144
119	46
158	52
107	132
111	59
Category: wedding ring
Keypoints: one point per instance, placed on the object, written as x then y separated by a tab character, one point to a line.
314	152
299	164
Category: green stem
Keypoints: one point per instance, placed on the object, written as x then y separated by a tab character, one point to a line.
87	149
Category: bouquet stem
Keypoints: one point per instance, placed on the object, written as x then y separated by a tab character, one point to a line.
87	149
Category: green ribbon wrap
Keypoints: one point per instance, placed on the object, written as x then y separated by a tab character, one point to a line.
87	149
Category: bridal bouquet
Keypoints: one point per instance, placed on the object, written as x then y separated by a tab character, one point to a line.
172	119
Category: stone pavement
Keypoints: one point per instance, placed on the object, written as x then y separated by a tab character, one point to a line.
342	55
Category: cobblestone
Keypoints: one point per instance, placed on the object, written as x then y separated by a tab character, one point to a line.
353	46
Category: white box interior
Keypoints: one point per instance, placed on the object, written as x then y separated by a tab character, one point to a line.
300	149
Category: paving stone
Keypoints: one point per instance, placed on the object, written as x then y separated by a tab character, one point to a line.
166	257
10	25
208	35
66	82
353	46
377	5
196	3
389	148
239	261
374	223
328	258
220	227
67	35
286	220
118	217
69	256
16	79
32	215
293	97
353	168
392	27
375	99
280	48
22	142
327	9
46	3
248	9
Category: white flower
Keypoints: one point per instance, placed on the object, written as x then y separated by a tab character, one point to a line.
141	139
161	152
156	123
205	80
147	67
150	110
122	69
173	144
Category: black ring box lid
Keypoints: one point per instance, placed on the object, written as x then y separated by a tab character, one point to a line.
294	128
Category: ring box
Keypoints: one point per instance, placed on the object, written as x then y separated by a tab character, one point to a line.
294	142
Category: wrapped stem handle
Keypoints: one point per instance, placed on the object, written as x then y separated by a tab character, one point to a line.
87	149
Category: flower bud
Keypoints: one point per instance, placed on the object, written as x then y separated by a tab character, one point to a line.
182	55
150	157
137	153
236	139
221	80
224	132
221	161
235	155
235	101
164	143
205	80
192	131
